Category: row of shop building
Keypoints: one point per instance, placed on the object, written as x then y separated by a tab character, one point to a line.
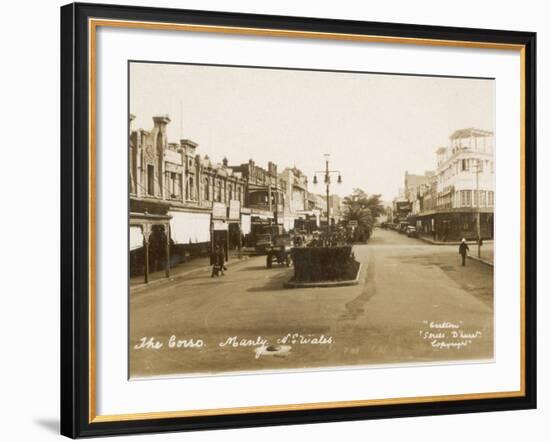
444	204
182	203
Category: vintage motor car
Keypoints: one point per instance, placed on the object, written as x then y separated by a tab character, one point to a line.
412	232
280	251
402	227
262	243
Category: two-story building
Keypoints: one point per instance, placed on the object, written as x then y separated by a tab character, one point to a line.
294	184
179	202
149	230
263	194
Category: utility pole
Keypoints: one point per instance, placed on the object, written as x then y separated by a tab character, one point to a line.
478	169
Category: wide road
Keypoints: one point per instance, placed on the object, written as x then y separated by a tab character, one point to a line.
415	303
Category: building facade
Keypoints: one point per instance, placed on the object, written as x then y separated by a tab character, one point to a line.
263	194
413	184
461	188
149	220
298	212
179	201
334	204
401	209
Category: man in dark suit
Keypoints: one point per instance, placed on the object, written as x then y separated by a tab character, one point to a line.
463	250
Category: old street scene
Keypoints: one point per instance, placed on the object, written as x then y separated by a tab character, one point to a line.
307	241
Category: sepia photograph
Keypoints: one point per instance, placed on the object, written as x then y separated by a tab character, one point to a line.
295	219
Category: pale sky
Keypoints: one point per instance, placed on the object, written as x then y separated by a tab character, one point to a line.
374	126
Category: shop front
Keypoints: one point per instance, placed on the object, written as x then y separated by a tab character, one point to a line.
219	229
234	225
149	244
451	225
308	221
190	234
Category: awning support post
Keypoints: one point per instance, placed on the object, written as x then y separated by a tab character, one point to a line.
146	247
167	265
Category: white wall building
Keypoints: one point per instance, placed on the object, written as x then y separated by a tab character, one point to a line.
457	169
464	186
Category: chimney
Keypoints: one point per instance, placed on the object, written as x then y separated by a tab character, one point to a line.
225	162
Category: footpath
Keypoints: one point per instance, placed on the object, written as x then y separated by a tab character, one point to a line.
487	255
430	240
487	249
179	271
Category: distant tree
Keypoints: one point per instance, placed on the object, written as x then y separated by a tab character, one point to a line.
364	209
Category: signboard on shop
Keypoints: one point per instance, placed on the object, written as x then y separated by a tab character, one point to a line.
234	210
219	225
219	211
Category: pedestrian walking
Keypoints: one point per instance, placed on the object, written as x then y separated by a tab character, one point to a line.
218	261
463	250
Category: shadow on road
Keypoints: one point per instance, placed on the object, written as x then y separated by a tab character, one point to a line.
356	307
246	269
274	283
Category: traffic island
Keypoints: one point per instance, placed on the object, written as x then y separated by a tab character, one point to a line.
324	267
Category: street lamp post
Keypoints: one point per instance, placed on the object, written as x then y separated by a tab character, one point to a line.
327	172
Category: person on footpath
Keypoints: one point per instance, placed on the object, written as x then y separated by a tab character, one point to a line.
218	261
463	250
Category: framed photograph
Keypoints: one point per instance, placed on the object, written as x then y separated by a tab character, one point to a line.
274	220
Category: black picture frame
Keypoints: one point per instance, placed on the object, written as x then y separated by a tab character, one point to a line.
75	220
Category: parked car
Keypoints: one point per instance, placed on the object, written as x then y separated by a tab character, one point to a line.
412	232
403	227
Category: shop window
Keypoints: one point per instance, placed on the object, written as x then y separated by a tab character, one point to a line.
465	223
466	198
190	190
150	180
174	185
206	190
483	198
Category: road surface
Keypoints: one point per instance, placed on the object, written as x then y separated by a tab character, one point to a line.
415	303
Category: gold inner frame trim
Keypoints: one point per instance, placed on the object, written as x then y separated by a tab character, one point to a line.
93	24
